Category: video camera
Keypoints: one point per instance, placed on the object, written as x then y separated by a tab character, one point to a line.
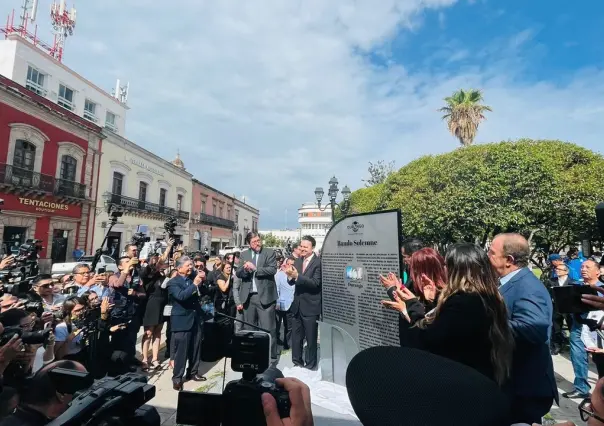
28	337
139	239
17	279
113	400
240	402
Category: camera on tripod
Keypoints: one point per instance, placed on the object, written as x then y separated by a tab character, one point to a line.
240	402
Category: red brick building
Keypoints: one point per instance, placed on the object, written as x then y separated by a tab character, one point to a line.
49	166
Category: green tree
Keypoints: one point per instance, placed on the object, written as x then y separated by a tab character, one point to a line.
379	172
546	190
464	112
269	240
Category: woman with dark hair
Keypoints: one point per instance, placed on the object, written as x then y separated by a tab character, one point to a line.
469	323
153	319
69	344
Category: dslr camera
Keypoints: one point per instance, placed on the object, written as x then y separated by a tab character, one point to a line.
28	337
240	402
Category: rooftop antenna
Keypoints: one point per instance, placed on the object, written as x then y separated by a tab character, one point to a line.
29	11
121	92
63	23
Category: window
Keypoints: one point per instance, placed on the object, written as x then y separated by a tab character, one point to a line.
220	208
179	202
111	121
237	216
118	182
162	197
203	205
35	81
25	155
65	97
68	168
90	111
228	212
214	210
142	191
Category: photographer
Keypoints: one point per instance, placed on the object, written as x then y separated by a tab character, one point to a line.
40	401
128	295
42	287
20	366
82	280
69	342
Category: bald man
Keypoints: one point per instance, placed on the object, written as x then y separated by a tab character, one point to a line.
530	316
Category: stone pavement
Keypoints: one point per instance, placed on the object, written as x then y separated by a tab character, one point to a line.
166	398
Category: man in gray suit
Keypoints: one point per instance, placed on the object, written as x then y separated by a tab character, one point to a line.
258	291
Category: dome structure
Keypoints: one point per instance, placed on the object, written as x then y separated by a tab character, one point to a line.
177	161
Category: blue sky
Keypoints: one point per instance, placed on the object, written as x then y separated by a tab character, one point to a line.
270	98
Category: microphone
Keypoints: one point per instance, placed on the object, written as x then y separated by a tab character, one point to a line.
403	386
242	322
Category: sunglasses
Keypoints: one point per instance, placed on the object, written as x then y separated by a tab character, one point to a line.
586	411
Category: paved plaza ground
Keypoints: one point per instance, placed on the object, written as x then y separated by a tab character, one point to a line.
166	398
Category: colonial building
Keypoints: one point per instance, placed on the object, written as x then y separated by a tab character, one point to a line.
49	164
212	215
246	220
314	222
146	188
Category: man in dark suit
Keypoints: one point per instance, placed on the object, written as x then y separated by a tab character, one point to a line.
186	322
306	307
530	317
257	290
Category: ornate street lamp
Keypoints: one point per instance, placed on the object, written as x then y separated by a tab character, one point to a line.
333	194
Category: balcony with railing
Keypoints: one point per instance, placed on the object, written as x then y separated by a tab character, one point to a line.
139	206
26	180
207	219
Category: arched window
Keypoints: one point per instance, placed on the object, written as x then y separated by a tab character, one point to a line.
25	155
68	168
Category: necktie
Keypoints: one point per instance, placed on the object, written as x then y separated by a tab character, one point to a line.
304	265
254	258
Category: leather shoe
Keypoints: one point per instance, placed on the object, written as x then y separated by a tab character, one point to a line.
177	386
197	378
575	394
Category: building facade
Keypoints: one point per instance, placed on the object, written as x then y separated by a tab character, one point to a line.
147	189
314	222
49	164
212	218
285	235
34	69
246	220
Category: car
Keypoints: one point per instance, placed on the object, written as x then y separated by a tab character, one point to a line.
60	269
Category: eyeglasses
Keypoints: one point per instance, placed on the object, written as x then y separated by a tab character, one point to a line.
586	411
83	273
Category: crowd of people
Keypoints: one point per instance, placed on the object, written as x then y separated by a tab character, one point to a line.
484	309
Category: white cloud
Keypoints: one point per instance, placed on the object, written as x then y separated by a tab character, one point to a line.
271	98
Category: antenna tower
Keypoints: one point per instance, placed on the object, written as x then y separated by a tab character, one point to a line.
63	23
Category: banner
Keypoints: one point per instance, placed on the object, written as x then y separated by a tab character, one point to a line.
357	249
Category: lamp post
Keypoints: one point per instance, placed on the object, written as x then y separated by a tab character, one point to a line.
333	194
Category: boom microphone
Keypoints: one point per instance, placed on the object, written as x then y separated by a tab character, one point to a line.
394	386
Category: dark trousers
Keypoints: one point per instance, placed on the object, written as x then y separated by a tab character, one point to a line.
287	318
168	337
530	410
599	361
133	328
557	338
255	312
305	328
186	346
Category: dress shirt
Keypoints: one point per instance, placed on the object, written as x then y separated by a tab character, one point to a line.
306	262
506	278
255	257
285	291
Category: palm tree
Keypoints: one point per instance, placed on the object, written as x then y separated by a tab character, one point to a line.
463	113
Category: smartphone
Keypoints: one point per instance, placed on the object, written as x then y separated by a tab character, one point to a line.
101	270
391	292
568	299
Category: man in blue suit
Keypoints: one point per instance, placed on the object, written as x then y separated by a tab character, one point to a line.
533	384
186	322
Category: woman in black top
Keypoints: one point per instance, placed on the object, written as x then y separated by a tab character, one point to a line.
224	301
469	323
153	318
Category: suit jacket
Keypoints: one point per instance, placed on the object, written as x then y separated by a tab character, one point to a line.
307	297
266	268
530	317
186	309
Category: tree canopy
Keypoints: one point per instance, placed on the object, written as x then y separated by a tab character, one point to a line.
464	112
379	172
270	240
545	189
